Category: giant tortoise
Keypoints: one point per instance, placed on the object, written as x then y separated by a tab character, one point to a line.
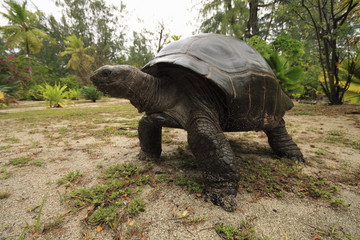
207	84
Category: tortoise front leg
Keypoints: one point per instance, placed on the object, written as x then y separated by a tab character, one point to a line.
212	150
149	132
282	144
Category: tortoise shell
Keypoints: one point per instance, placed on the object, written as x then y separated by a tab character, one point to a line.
254	98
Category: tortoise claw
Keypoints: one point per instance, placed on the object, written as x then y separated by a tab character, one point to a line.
225	198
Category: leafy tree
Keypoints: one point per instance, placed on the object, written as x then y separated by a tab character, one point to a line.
97	24
139	52
225	17
238	18
21	31
79	61
288	76
333	23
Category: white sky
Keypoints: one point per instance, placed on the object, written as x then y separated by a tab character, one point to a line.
178	16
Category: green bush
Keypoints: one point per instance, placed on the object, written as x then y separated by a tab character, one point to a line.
71	81
54	95
91	93
74	94
34	93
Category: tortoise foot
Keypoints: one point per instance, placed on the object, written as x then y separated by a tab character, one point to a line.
223	197
296	156
150	157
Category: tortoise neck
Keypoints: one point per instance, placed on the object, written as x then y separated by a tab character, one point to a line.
143	90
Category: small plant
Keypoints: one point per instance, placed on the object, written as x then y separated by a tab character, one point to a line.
91	93
19	161
319	152
244	232
74	94
191	185
339	203
54	95
38	163
135	206
105	215
226	231
117	198
69	178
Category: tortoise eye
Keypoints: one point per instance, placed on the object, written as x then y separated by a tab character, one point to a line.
106	73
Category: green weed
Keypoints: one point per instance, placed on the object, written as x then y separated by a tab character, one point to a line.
38	163
19	161
244	232
117	197
192	185
135	206
339	203
3	148
4	174
69	178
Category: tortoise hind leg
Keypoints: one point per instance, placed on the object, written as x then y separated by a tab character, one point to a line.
212	150
282	144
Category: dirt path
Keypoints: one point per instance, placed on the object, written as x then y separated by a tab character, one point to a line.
39	147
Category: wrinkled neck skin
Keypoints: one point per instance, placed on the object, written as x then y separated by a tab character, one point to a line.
145	92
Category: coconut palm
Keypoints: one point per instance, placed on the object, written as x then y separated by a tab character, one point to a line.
21	32
79	60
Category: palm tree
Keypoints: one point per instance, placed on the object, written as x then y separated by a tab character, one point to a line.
21	32
79	61
288	76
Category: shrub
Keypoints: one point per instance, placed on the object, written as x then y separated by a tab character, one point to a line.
35	93
91	93
54	95
74	94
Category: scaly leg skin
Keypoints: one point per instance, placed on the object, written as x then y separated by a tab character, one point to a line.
282	144
150	139
215	156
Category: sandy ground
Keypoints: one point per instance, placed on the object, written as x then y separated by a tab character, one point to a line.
55	150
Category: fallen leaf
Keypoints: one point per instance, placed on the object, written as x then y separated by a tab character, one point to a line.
99	228
316	237
131	222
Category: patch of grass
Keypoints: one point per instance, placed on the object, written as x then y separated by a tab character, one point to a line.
116	198
191	185
12	139
4	174
339	203
245	231
3	148
319	152
159	178
105	215
276	177
75	113
38	163
69	178
19	161
135	206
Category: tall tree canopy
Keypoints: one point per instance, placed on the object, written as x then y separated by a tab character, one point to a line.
22	33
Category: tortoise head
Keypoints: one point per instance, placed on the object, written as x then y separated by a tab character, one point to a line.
115	80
